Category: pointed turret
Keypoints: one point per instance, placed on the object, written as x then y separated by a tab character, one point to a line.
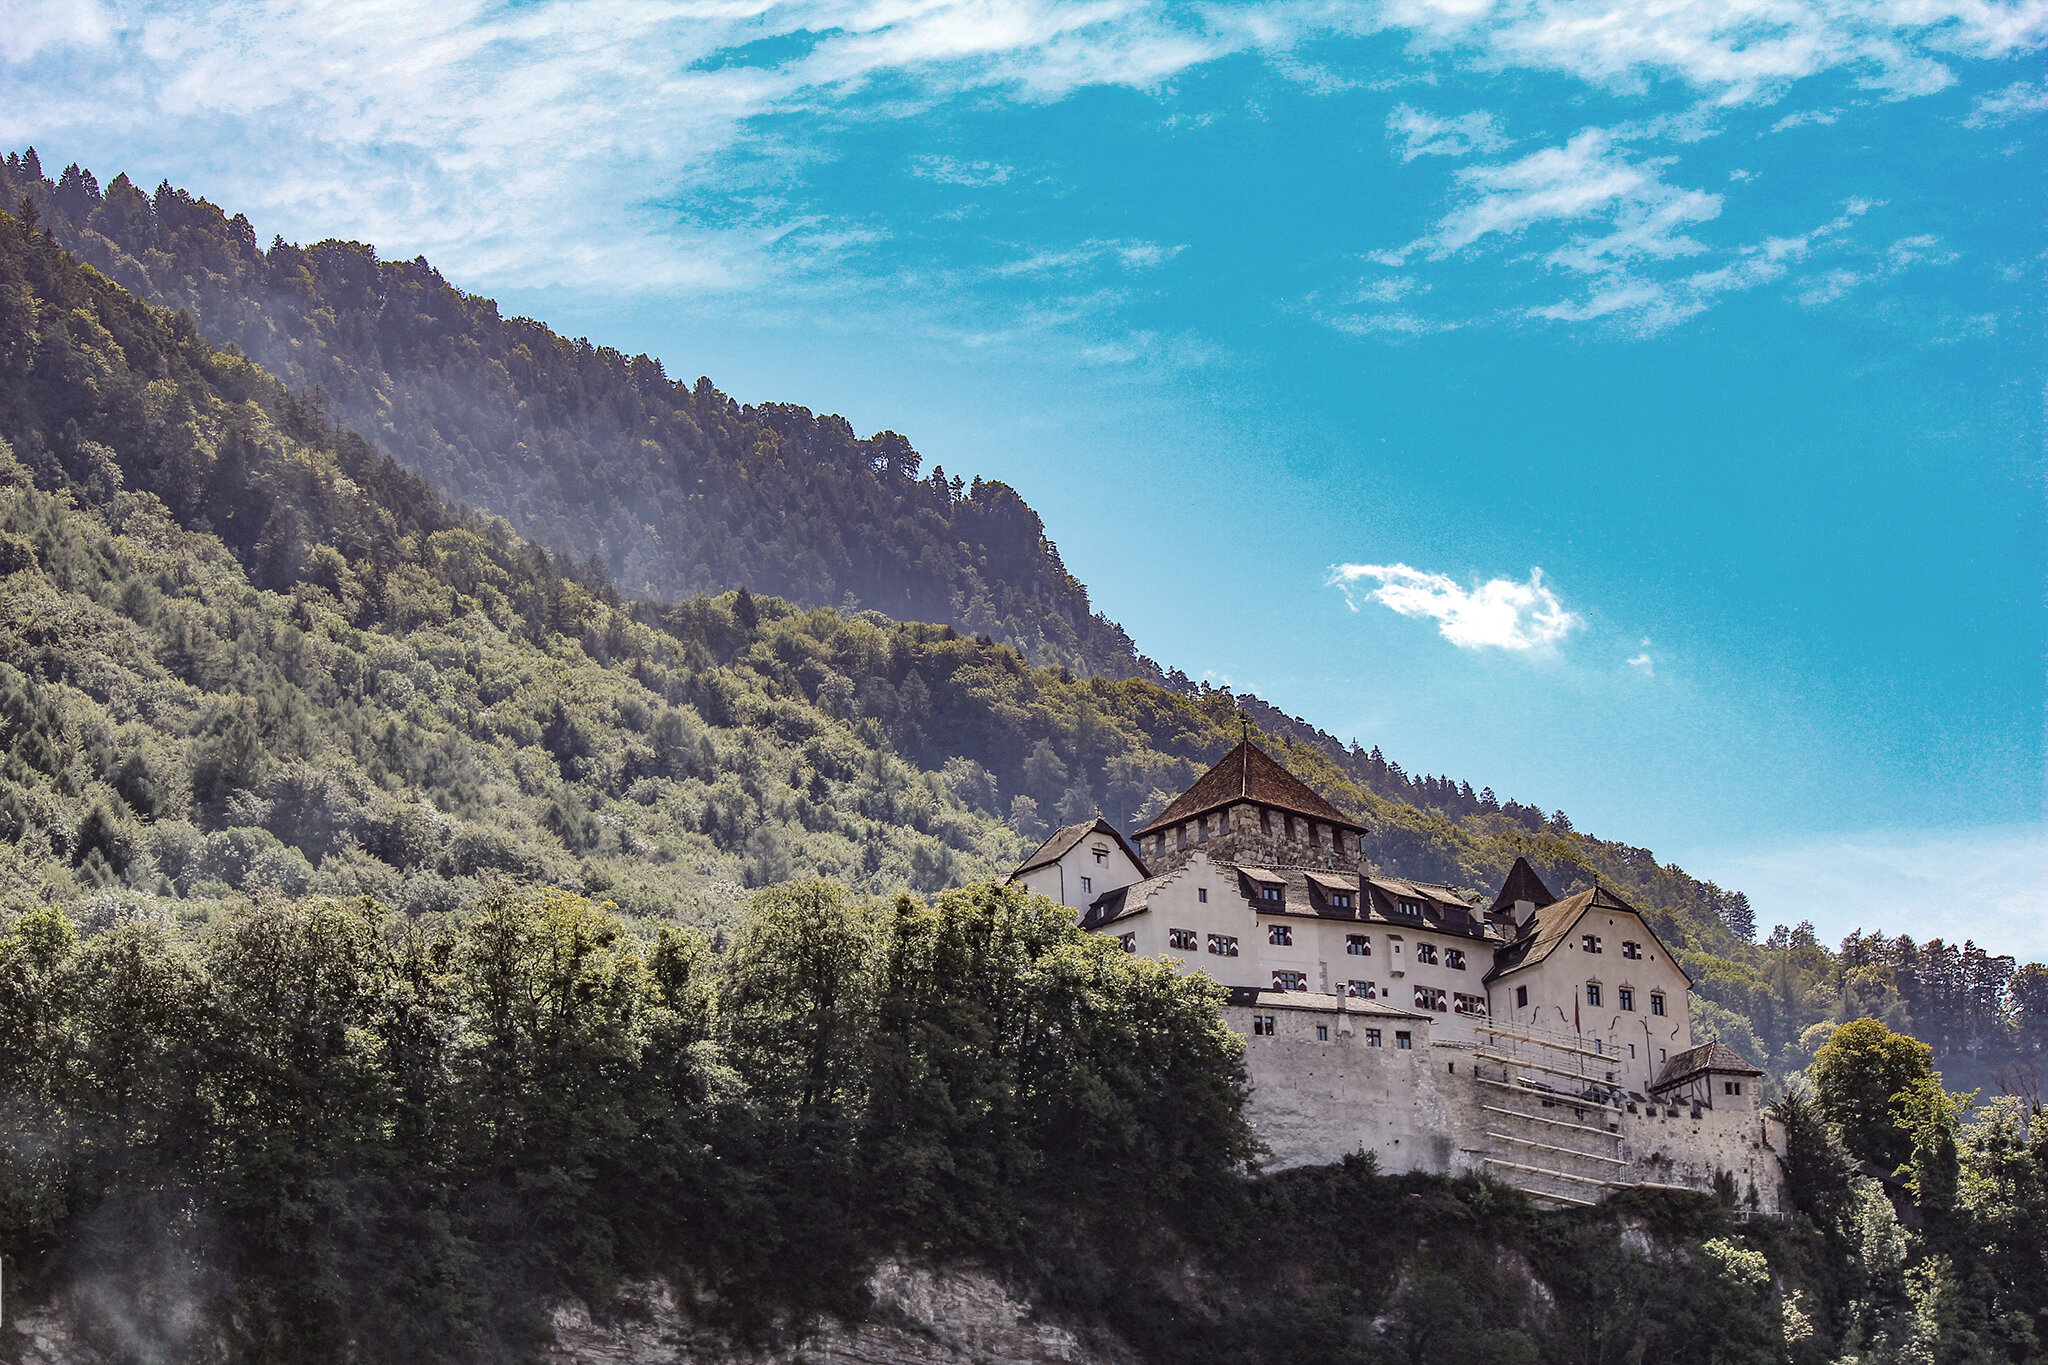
1521	895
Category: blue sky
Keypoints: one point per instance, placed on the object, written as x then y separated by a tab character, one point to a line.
1634	405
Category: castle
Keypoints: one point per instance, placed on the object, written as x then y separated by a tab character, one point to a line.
1545	1042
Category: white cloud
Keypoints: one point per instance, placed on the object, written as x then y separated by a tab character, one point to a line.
551	142
1129	254
1645	305
1497	614
1423	134
1806	118
2016	101
1590	177
948	171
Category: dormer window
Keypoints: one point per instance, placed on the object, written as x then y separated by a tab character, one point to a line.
1411	907
1340	900
1270	894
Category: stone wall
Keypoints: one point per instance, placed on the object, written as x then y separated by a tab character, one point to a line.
1314	1100
1236	836
1443	1109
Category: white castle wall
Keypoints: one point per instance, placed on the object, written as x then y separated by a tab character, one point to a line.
1431	1109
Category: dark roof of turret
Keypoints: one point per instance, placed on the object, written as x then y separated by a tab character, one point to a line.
1696	1061
1522	884
1249	773
1063	841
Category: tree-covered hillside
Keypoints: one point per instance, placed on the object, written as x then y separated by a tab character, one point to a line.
675	488
244	652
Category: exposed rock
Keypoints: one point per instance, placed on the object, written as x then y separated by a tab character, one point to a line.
921	1317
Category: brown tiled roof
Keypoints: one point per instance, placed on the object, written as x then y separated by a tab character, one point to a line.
1249	773
1063	841
1552	925
1522	884
1695	1061
1124	901
1443	910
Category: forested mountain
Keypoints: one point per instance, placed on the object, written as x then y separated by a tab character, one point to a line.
675	488
314	789
244	650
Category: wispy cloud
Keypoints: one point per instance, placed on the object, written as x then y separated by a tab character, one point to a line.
1500	613
1806	118
2021	99
1421	134
948	170
1125	254
536	142
1590	177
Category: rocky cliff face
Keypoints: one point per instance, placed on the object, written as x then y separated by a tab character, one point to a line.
922	1316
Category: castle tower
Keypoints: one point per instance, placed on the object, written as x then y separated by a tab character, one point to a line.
1250	809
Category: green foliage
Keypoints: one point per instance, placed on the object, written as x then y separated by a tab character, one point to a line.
1856	1075
687	491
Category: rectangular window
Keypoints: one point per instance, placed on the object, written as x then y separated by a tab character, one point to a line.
1262	1025
1426	953
1430	998
1521	997
1340	900
1411	907
1404	1042
1290	981
1358	945
1223	945
1590	942
1656	1002
1280	935
1202	894
1469	1004
1372	1037
1086	885
1101	852
1454	958
1660	1054
1130	942
1631	950
1361	990
1626	998
1322	1033
1732	1087
1592	994
1181	940
1631	1051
